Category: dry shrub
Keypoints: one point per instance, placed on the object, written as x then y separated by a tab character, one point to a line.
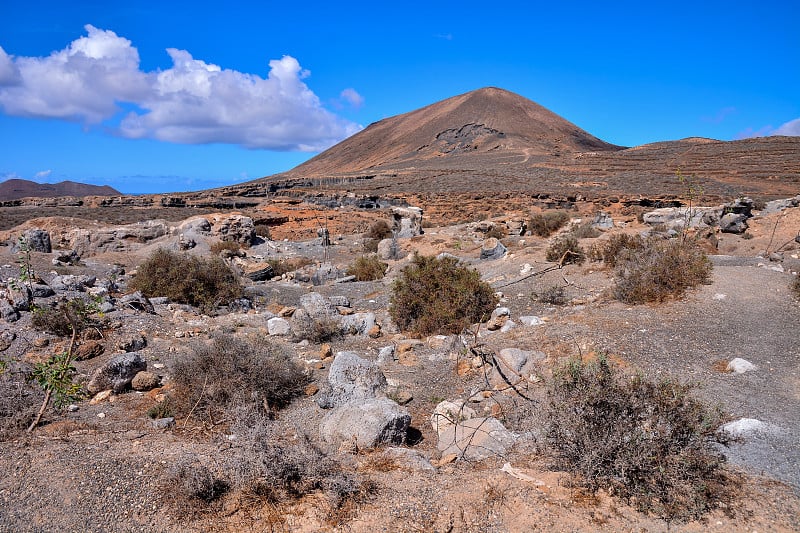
367	268
612	248
659	270
230	248
546	223
284	266
553	294
565	250
439	295
212	379
19	400
316	330
205	283
497	231
263	230
651	443
379	230
59	319
585	231
191	484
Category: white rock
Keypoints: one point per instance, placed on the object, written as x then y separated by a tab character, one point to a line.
448	413
531	320
508	326
278	326
744	427
740	366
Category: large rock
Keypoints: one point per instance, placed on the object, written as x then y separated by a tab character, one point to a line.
406	221
278	326
317	306
351	378
138	301
514	367
326	273
678	217
366	423
733	223
69	282
447	414
602	221
357	323
492	249
389	250
117	373
237	228
88	242
475	439
37	240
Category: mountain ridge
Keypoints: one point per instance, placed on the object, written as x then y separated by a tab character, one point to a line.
16	188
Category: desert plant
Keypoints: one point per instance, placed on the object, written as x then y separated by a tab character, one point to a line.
190	486
61	318
546	223
263	230
553	294
284	266
610	249
659	269
585	231
565	250
315	329
367	268
215	377
19	400
379	230
651	443
204	283
497	231
439	295
229	248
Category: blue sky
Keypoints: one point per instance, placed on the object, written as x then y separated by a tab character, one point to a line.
173	96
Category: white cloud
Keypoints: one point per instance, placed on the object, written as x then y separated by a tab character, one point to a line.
192	102
352	97
42	174
791	128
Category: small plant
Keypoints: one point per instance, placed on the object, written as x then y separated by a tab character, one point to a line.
659	269
213	379
565	250
439	295
284	266
546	223
19	400
162	409
585	231
316	330
651	443
379	230
263	231
497	231
610	250
204	283
190	486
54	376
554	295
65	316
367	268
229	248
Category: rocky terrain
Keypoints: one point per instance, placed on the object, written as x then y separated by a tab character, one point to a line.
428	425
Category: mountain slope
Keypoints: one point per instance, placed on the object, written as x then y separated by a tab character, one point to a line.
479	122
15	189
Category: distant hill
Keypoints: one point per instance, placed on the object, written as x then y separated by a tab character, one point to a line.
15	189
491	142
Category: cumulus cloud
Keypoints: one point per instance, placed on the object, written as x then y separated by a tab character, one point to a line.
352	97
193	102
42	174
790	129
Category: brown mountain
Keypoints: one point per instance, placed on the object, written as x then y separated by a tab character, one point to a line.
479	123
15	189
491	141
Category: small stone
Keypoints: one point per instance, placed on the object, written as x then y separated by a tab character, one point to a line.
531	320
100	396
374	332
463	367
402	397
101	415
740	366
345	311
72	408
286	311
144	381
408	358
311	389
446	459
88	350
278	326
325	351
41	342
164	423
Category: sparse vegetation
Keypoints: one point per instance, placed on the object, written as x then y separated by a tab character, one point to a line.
61	318
658	270
263	231
439	295
651	443
585	231
229	248
609	250
367	268
205	283
378	230
552	294
565	250
19	400
546	223
316	330
214	378
795	286
284	266
497	231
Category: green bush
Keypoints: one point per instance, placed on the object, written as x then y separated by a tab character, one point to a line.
216	378
565	250
439	295
658	270
546	223
367	268
205	283
649	443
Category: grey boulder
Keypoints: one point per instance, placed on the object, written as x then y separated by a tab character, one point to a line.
117	373
366	423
